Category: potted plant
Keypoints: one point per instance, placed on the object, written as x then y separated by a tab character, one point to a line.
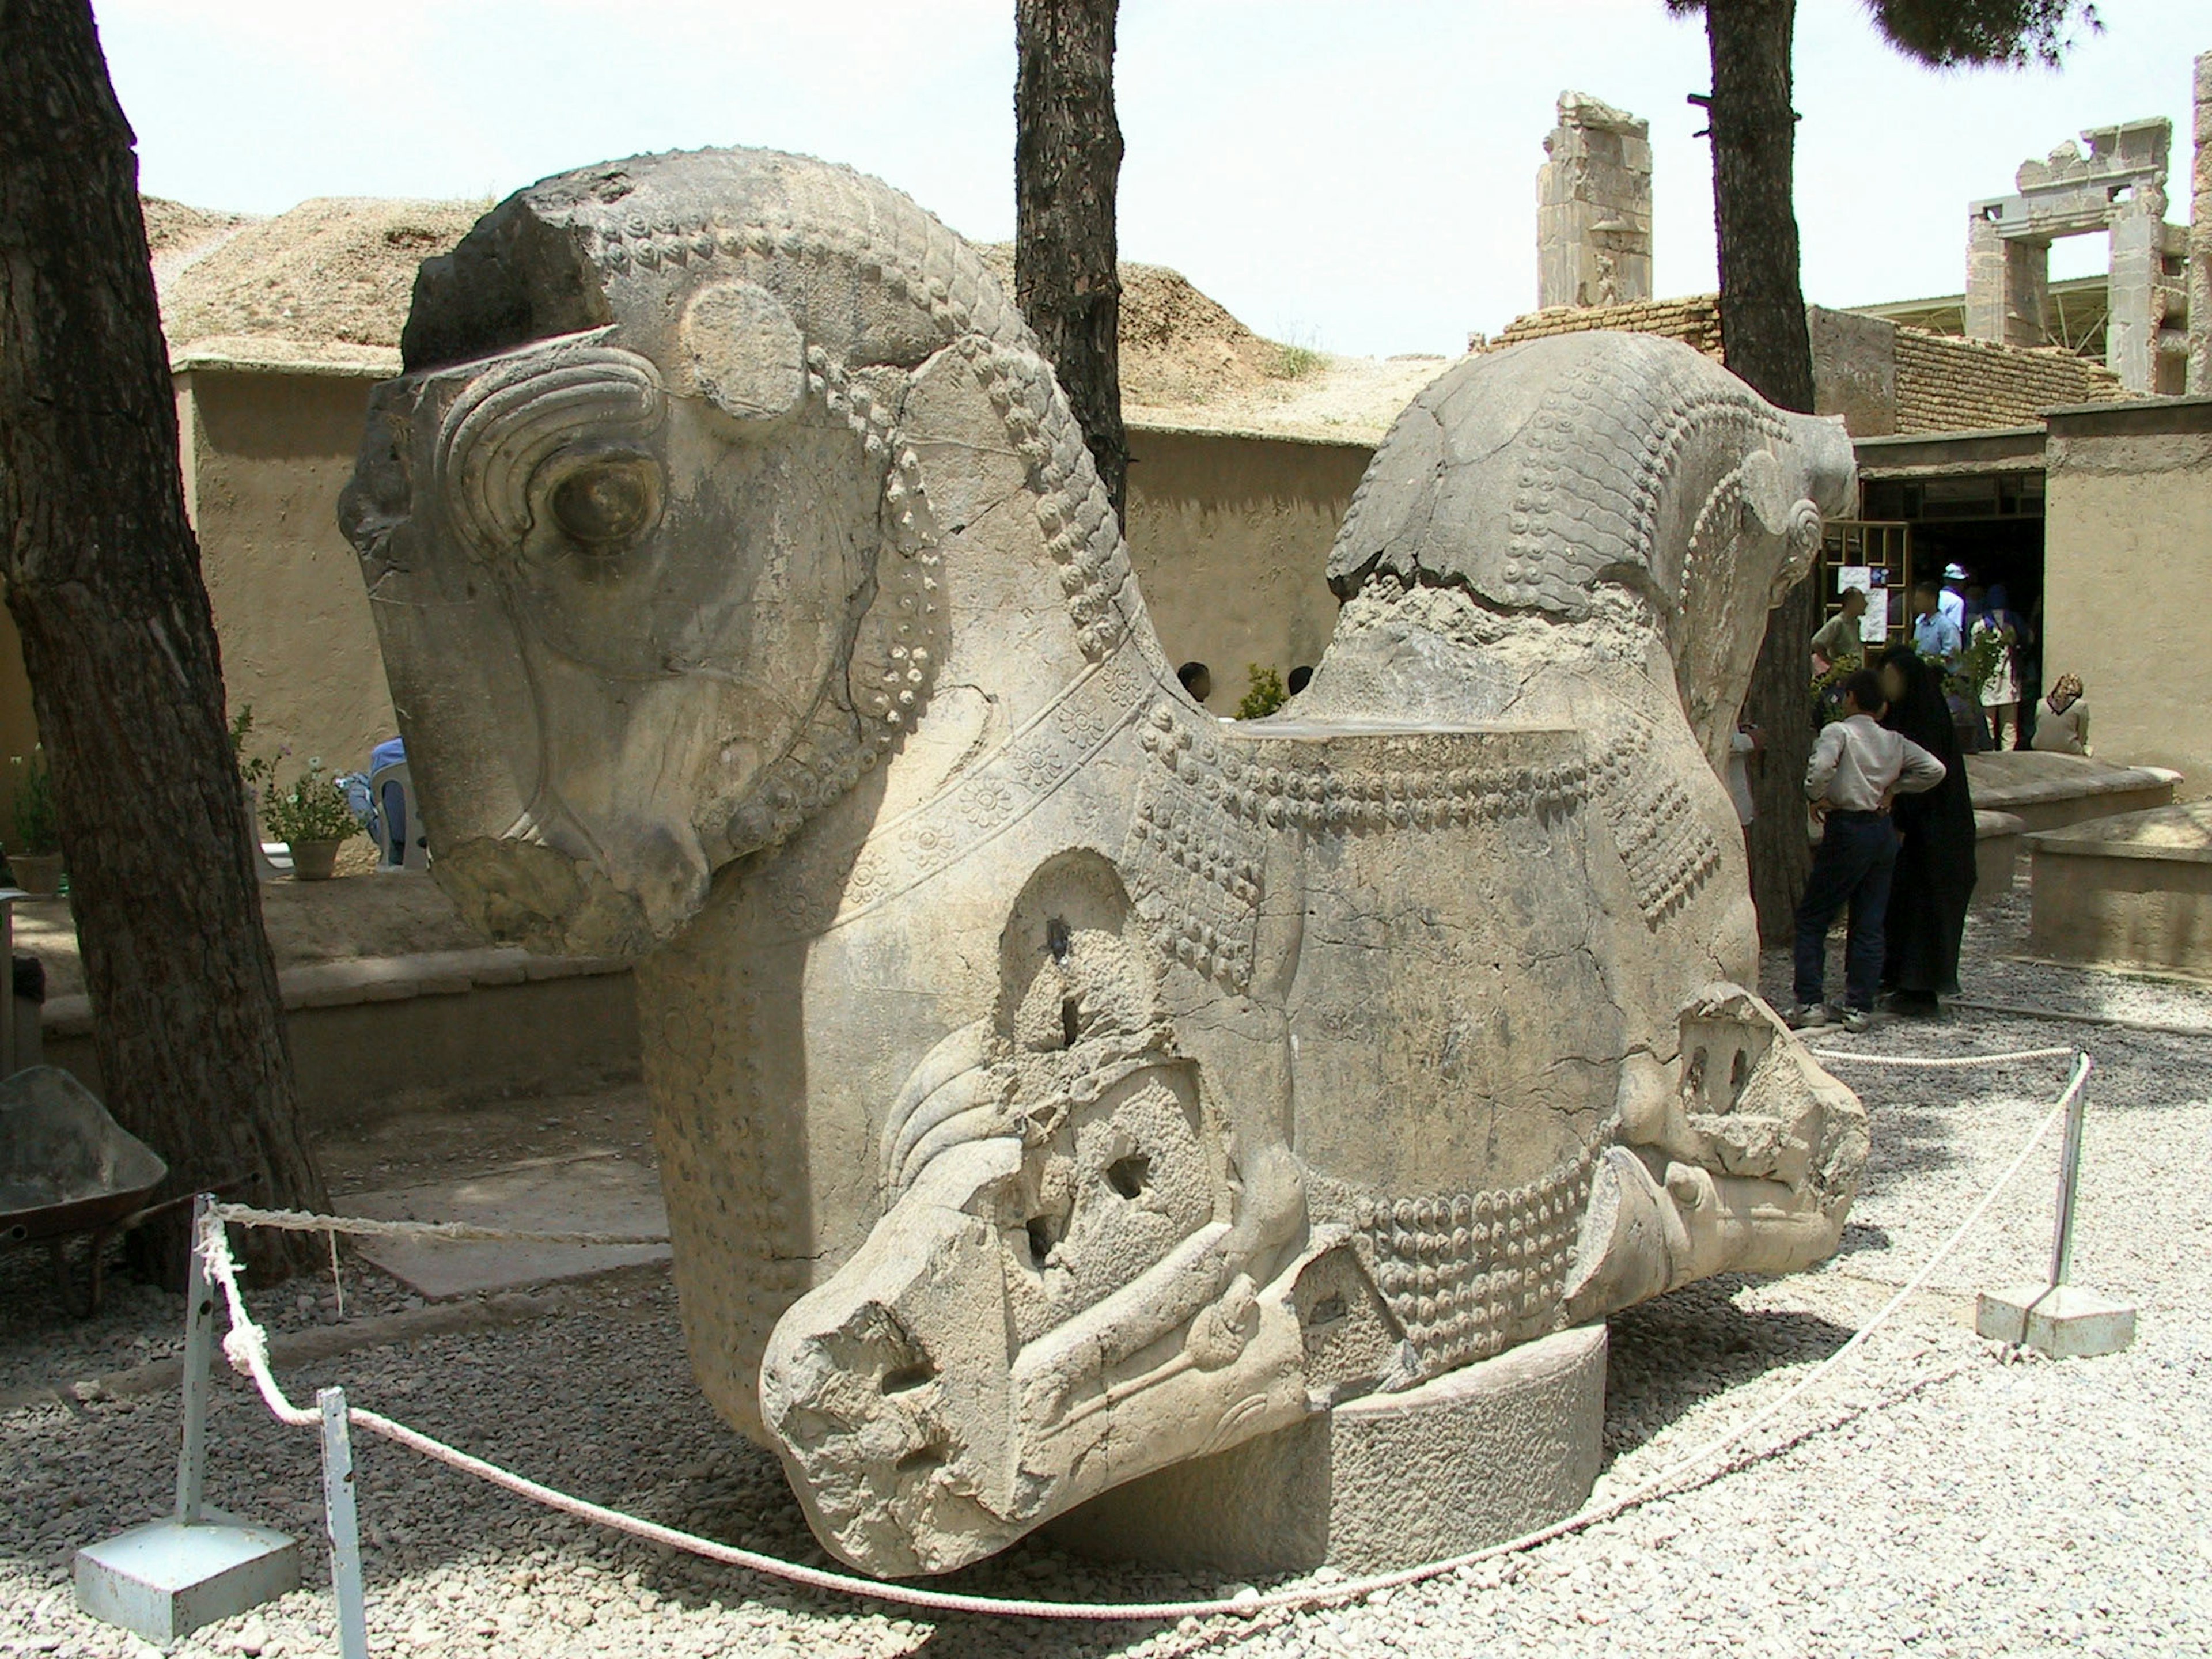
313	819
34	851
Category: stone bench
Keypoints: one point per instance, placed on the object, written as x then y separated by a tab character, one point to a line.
448	1024
2049	792
1998	845
2129	891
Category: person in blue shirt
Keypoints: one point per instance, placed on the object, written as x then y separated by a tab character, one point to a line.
1934	635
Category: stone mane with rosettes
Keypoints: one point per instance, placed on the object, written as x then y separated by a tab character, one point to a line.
1054	1085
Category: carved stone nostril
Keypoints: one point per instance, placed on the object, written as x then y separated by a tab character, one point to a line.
921	1460
1071	1013
1128	1175
1041	1239
904	1378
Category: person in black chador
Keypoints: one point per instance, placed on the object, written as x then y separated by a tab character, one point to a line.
1935	875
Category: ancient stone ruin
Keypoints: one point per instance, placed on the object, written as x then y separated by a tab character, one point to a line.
1593	207
1222	1141
2117	189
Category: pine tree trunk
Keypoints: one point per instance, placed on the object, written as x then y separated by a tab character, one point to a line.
103	580
1764	339
1068	167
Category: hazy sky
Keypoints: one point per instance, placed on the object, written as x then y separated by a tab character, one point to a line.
1360	176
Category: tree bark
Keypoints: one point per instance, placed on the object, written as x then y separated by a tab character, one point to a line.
1067	168
1765	339
103	581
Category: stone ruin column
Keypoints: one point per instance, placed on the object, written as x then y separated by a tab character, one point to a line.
2135	306
1593	207
2117	189
2007	283
2200	239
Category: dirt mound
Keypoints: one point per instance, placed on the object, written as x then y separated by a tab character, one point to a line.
1188	365
1178	347
330	270
173	228
177	236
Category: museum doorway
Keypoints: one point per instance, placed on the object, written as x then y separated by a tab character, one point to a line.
1987	523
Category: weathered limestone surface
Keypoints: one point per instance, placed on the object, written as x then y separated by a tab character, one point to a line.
1475	1456
1054	1083
1593	207
2199	376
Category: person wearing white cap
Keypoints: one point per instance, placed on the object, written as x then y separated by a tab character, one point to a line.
1950	600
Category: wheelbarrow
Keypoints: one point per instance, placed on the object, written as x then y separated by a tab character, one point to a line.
67	1168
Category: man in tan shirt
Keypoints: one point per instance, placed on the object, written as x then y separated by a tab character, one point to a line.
1841	635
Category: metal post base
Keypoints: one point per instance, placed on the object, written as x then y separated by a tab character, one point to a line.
2062	1321
166	1578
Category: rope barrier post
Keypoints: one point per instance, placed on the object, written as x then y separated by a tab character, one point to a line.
2056	1317
342	1515
166	1578
199	1355
2070	1175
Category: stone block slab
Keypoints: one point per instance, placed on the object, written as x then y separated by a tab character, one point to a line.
2129	891
163	1580
1474	1457
1999	839
2067	1322
598	1192
2050	791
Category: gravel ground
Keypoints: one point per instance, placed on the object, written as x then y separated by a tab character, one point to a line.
1945	1498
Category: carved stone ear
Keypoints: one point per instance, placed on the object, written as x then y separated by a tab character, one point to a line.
746	355
1763	492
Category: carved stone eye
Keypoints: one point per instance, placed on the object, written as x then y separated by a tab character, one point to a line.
606	500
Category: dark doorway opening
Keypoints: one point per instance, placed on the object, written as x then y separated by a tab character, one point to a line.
1989	523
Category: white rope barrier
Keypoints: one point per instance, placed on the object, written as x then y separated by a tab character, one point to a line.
305	1221
247	1348
1945	1063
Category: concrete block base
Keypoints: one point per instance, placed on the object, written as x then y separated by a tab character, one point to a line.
1482	1454
2066	1323
163	1580
2131	891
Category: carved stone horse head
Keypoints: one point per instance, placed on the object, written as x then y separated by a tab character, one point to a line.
613	368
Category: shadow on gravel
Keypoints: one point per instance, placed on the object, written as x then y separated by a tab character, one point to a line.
1669	1355
45	1338
1860	1239
1909	1142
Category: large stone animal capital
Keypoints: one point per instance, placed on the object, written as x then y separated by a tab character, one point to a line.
1053	1083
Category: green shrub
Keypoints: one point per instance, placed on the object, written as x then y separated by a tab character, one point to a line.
1264	695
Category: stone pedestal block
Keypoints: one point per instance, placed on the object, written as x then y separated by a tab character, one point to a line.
2067	1322
2133	890
1479	1455
1998	837
165	1579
